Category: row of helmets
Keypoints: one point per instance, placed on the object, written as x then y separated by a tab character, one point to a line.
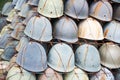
38	39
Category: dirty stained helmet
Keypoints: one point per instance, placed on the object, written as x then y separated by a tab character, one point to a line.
103	74
51	8
33	2
111	31
19	4
7	8
24	10
77	9
3	66
90	29
50	74
39	28
22	43
9	50
32	57
116	14
18	32
66	29
76	74
18	73
110	55
30	14
117	1
84	58
101	10
61	58
11	15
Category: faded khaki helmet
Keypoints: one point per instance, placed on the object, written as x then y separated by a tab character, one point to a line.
90	29
66	29
7	8
110	55
3	66
111	31
39	28
18	32
50	74
15	21
19	4
11	15
24	10
18	73
101	10
103	74
76	74
1	51
33	2
84	58
30	14
116	14
9	50
32	62
117	1
5	30
61	58
51	8
77	9
22	43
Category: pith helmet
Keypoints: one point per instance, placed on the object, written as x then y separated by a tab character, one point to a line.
77	9
90	29
84	58
50	74
23	42
6	38
101	10
32	62
5	30
109	54
9	50
61	58
117	1
14	2
51	8
66	30
116	14
19	4
103	74
3	22
24	10
11	15
76	74
111	31
33	2
30	14
15	21
1	51
7	8
39	28
17	73
3	66
18	32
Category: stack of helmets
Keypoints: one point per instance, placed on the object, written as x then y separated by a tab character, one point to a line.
60	40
